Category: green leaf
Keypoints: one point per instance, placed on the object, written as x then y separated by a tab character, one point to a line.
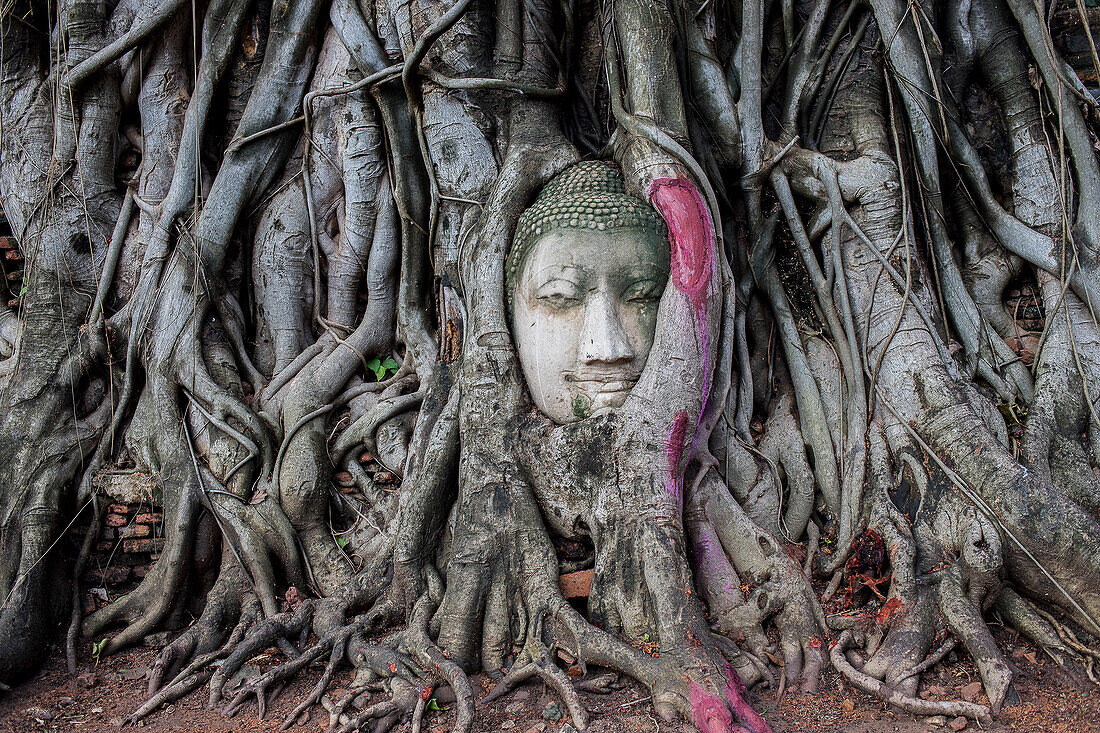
432	705
23	290
342	541
98	647
381	368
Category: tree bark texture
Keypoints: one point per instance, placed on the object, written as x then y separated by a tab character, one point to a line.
262	249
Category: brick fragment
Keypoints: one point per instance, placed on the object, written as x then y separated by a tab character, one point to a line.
136	530
576	585
153	544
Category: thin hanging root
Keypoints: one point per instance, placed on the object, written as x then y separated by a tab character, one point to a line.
545	668
911	705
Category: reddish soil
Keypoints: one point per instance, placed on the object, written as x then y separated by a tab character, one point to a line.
101	695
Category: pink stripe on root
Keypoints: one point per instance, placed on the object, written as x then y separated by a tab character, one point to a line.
690	234
735	694
674	450
709	714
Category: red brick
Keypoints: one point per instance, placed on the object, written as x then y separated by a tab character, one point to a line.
149	518
118	509
136	530
115	520
145	545
576	585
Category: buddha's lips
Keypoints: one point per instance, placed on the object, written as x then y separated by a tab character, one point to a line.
606	387
601	385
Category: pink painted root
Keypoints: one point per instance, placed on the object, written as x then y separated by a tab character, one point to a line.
712	715
674	452
735	694
691	238
690	235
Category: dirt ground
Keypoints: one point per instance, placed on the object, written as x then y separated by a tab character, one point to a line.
102	694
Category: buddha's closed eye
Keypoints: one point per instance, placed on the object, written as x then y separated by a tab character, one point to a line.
558	293
644	291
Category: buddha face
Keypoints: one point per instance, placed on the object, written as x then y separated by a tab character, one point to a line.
584	312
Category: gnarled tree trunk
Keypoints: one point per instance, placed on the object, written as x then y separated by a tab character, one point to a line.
265	245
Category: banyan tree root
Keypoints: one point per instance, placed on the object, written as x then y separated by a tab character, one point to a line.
912	705
264	263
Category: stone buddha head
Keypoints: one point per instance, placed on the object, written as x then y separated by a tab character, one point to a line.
584	278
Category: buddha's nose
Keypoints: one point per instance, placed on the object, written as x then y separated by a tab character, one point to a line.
603	336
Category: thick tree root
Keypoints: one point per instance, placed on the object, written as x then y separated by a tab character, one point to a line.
912	705
197	671
544	668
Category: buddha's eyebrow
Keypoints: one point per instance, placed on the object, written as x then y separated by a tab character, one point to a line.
555	271
648	270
